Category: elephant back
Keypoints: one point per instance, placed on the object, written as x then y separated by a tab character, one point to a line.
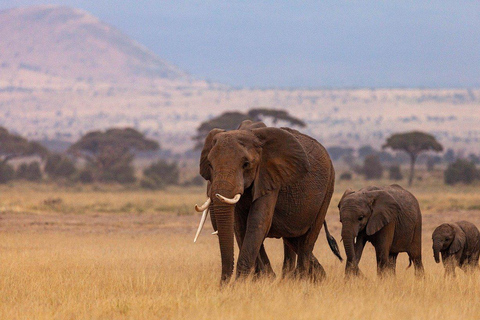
472	233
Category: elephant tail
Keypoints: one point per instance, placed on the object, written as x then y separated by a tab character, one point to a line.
332	242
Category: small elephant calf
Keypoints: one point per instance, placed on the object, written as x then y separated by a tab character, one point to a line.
459	244
389	217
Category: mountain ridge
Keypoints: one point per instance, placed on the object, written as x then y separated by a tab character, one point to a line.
83	47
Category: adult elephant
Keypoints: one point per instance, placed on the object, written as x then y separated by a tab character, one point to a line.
267	182
389	217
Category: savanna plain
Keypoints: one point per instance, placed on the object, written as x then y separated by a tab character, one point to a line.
107	252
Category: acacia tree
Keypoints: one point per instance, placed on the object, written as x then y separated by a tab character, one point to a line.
232	119
109	154
413	143
14	146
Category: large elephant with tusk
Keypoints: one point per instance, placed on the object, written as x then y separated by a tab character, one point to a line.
267	182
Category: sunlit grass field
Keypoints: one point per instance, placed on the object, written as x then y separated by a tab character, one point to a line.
108	252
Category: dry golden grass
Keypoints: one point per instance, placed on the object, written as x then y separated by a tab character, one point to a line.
135	273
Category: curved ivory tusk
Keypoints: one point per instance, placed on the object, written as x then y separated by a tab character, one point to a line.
215	232
201	224
203	206
228	200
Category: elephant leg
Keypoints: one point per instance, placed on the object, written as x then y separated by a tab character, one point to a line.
382	261
359	246
316	270
392	262
383	243
449	262
415	253
307	264
303	260
258	223
263	265
474	261
289	259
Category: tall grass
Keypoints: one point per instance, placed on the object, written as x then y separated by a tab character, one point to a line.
122	273
166	276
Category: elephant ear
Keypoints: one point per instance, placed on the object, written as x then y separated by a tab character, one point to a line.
250	125
384	210
458	241
205	170
346	193
283	161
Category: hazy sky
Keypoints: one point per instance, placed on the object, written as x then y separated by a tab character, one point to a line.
304	43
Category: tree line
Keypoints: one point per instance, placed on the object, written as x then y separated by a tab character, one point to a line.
107	156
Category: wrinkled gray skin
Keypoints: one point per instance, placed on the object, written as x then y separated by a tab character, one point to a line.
459	244
286	180
389	217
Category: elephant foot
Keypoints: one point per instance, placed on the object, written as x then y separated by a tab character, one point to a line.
386	273
264	274
317	273
354	272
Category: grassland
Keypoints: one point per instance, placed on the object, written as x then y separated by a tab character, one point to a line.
106	252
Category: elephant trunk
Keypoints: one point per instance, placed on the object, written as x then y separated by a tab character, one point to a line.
224	218
223	214
348	237
436	251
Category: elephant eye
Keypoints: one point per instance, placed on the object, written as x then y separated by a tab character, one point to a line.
246	164
360	218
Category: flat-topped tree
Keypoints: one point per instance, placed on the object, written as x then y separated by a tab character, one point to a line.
413	143
14	146
109	153
232	119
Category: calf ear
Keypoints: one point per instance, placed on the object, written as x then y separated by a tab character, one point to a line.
205	171
346	193
384	210
458	241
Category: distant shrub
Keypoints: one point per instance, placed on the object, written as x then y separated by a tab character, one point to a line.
449	156
461	171
474	158
195	181
432	161
394	173
161	173
59	166
124	174
30	172
372	167
346	176
366	151
149	183
7	172
338	152
21	172
85	176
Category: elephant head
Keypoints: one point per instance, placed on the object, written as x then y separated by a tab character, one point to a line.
255	159
364	211
447	237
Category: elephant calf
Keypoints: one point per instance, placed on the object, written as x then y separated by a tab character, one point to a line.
459	244
388	217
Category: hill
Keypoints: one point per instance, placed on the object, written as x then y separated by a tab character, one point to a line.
70	43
